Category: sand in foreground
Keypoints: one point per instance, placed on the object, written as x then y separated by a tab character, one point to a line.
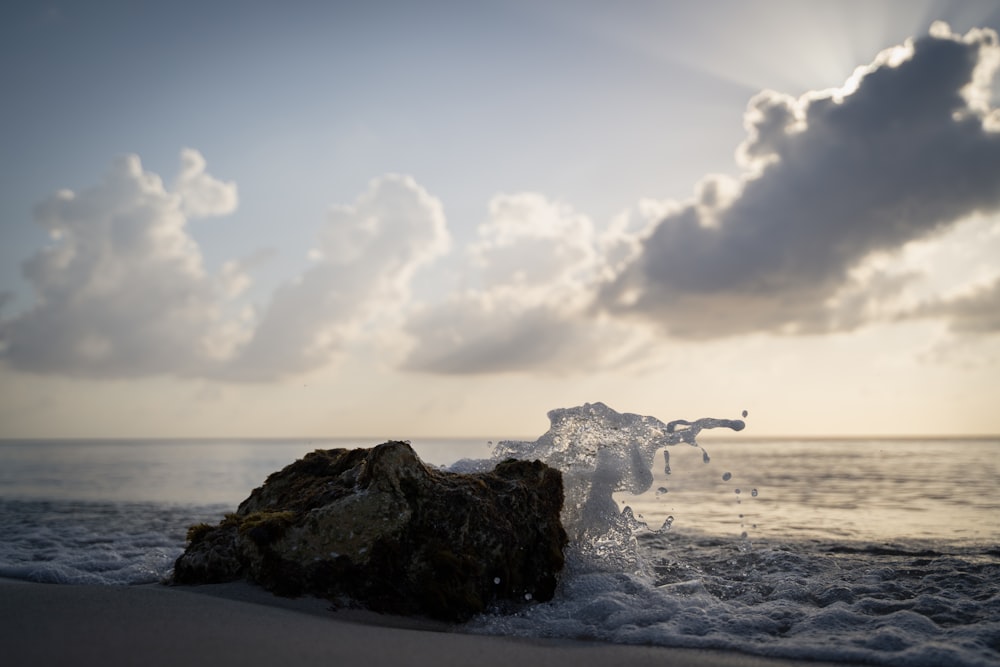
237	624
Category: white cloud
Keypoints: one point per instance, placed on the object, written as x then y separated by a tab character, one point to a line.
366	259
234	276
122	290
534	243
202	195
535	265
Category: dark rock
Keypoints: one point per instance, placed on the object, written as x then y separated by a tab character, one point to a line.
379	527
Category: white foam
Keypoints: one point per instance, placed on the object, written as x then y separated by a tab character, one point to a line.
794	601
67	542
626	584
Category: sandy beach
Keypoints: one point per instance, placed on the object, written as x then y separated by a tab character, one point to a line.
238	624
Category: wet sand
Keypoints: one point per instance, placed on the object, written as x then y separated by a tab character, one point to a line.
239	624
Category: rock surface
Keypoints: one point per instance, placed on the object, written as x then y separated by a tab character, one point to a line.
379	527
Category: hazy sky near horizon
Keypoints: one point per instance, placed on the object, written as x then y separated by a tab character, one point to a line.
407	219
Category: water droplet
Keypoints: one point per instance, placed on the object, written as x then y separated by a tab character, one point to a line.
661	490
754	493
745	413
496	580
743	534
726	476
738	492
667	524
527	596
666	462
704	456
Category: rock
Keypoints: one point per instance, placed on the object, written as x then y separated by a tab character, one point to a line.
379	527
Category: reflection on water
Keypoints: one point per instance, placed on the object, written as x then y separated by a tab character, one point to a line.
198	472
868	490
822	489
170	471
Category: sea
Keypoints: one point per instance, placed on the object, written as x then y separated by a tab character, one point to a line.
867	550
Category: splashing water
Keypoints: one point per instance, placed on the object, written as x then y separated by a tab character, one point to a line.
915	604
600	452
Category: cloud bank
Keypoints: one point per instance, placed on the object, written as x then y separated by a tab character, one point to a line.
833	183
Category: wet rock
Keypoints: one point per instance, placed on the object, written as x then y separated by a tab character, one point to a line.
379	527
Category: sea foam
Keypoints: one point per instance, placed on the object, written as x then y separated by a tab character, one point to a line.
626	583
79	542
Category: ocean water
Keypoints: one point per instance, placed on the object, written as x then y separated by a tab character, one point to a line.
884	551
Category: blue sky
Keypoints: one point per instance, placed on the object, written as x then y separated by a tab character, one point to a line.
414	219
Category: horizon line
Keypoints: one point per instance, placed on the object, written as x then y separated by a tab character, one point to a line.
489	439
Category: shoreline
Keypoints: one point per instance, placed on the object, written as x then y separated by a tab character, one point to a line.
241	624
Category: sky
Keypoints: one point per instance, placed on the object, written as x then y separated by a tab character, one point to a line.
431	219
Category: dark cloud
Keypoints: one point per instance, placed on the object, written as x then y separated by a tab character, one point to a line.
833	177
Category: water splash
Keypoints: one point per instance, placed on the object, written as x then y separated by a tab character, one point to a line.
600	452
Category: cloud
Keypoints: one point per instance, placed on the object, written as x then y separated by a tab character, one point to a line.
533	243
364	264
533	268
202	195
122	290
234	276
835	184
975	312
904	150
493	332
